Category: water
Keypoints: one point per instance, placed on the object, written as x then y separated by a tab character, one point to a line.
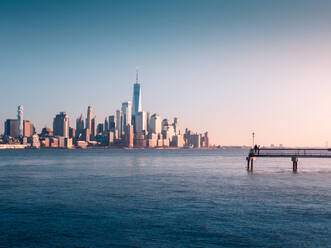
161	198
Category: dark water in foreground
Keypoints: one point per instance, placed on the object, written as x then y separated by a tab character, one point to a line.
161	198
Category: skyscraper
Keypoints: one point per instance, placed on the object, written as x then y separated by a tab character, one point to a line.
141	123
119	124
72	132
61	125
11	128
136	100
93	128
100	128
80	124
176	126
127	113
156	124
106	124
28	128
129	136
89	117
112	122
86	134
20	128
148	122
165	124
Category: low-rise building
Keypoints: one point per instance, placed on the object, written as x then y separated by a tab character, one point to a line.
44	142
81	144
54	142
35	141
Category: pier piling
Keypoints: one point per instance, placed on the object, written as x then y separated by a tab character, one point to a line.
250	163
295	163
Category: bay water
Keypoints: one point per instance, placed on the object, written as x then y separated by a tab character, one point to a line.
161	198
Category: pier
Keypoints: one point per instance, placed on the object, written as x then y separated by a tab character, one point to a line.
293	153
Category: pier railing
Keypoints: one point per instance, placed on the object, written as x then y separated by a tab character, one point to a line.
290	152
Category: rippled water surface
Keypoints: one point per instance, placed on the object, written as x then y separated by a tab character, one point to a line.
161	198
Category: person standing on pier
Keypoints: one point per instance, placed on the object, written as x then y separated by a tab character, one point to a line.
255	149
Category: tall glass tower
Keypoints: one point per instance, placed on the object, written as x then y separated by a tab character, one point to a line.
136	100
89	117
127	113
20	121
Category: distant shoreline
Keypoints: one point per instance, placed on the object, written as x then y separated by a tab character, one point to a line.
26	147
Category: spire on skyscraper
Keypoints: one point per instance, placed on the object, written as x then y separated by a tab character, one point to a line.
137	75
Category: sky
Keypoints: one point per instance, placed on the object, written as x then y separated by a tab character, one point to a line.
228	67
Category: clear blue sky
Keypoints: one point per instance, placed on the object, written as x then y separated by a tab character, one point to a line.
229	67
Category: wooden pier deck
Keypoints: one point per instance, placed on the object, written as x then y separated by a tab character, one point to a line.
293	153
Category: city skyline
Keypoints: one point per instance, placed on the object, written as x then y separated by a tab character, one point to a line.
231	68
129	127
119	123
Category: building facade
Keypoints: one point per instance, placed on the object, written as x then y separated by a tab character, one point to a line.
61	125
156	124
28	128
11	128
20	128
106	124
127	113
89	117
141	123
119	124
176	126
136	101
93	128
129	136
112	122
80	124
148	122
